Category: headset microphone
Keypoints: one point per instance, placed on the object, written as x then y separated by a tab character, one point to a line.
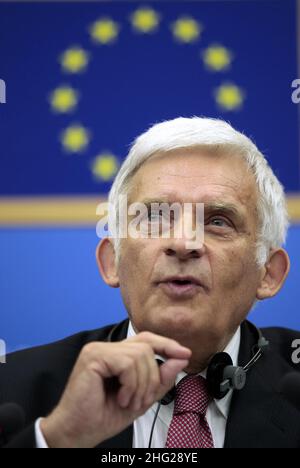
223	376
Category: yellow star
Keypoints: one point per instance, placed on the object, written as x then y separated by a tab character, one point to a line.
187	29
74	60
64	99
217	57
229	97
75	138
104	31
145	20
105	166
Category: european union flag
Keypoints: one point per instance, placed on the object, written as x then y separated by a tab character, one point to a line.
83	79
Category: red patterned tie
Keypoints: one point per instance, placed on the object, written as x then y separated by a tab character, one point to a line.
189	428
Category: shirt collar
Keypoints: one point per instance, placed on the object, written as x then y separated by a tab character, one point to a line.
232	349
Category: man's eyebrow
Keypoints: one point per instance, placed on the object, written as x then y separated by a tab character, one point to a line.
149	201
227	208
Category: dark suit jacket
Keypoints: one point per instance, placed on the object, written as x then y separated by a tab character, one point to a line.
259	415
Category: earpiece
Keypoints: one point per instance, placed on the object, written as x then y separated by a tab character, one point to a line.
223	376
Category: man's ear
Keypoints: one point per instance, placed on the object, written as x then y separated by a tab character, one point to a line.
106	260
274	274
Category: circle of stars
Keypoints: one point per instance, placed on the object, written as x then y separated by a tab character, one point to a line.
105	31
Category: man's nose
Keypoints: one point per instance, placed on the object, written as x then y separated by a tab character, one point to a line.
187	239
179	248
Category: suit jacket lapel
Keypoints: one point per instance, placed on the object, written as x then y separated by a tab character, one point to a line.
259	417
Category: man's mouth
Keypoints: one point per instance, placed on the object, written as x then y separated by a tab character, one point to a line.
181	287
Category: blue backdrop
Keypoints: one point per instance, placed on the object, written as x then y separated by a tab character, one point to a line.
50	287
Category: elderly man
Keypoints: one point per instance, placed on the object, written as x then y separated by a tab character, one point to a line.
186	305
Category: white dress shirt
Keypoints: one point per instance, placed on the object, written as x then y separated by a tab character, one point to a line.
217	412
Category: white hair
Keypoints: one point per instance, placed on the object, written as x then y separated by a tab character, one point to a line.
216	135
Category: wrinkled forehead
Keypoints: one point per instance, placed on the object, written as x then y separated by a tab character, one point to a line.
195	176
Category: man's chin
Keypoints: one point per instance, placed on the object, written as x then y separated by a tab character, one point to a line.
174	322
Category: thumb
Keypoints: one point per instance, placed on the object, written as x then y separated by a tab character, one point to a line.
168	372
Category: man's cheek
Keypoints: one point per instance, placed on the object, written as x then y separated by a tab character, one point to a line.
231	271
138	251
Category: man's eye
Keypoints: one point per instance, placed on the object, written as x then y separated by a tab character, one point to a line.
219	222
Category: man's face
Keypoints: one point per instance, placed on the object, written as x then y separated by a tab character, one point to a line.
223	274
